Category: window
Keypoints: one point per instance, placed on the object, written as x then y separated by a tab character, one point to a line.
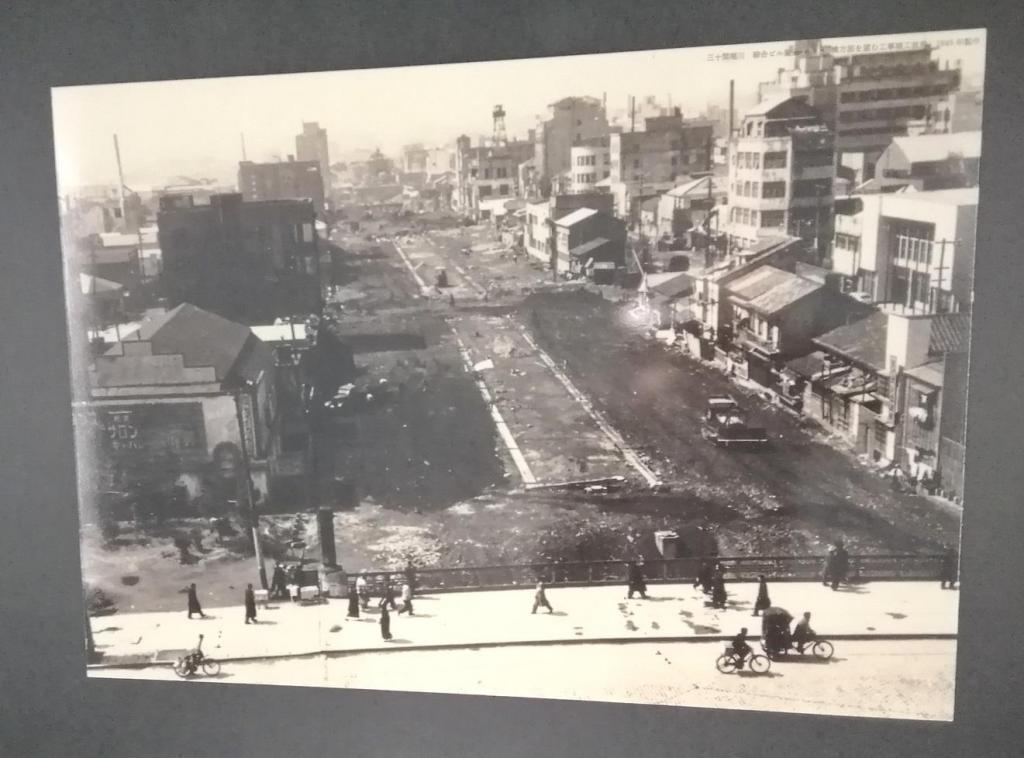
503	189
847	242
487	173
775	159
472	173
753	218
675	160
307	232
747	189
501	173
607	174
757	160
755	189
486	190
774	189
773	219
636	163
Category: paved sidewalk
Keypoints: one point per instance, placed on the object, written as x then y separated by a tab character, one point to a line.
503	617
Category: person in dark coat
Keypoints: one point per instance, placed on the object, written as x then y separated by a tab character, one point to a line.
840	565
707	570
762	602
387	598
385	623
278	583
353	602
950	569
718	593
635	580
193	602
250	604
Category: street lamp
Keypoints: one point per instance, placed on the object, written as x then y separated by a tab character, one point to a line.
247	484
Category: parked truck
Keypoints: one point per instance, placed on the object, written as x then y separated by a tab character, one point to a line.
725	424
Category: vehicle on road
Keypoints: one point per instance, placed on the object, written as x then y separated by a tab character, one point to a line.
729	662
192	662
777	640
725	424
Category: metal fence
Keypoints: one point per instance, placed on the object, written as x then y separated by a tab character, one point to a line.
678	570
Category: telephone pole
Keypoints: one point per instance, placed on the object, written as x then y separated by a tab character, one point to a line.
250	504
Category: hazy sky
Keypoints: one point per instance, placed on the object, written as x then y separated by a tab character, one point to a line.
193	127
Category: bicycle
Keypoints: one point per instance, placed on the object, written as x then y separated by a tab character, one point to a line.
820	648
190	664
729	662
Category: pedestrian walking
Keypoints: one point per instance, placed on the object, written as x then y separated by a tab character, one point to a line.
363	591
950	568
763	602
410	576
385	623
707	570
388	596
278	583
718	593
635	580
250	604
840	565
353	602
193	602
540	599
406	600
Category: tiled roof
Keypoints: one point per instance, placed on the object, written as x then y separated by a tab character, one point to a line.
807	365
862	342
769	290
951	333
201	338
588	247
576	216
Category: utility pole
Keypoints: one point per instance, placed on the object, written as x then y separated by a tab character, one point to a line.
120	178
244	158
247	488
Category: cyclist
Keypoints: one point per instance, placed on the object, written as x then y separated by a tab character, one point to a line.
740	647
193	659
802	633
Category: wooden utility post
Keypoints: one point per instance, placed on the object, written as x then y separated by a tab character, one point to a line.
247	490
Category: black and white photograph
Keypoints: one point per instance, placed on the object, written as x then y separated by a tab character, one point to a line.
632	377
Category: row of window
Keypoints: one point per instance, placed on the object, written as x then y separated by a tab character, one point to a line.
589	160
847	242
763	219
756	189
883	114
589	178
498	173
772	159
486	190
896	93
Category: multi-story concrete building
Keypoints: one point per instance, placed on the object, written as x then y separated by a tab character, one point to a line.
668	148
487	177
311	145
246	261
282	180
910	249
866	98
591	163
570	121
781	173
541	213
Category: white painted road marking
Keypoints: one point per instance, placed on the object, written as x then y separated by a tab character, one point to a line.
503	431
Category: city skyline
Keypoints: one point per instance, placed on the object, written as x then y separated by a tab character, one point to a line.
203	119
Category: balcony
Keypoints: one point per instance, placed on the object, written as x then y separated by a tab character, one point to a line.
747	338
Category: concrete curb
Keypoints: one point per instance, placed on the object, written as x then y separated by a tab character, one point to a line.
855	637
